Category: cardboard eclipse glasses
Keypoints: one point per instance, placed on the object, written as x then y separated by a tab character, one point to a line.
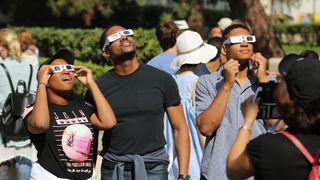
116	36
59	68
240	39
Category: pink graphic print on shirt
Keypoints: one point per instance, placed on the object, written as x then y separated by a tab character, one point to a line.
76	141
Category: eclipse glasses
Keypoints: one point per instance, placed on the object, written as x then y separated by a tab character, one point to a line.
240	39
59	68
116	36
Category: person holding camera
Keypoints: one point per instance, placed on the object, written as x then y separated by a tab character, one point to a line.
274	156
219	95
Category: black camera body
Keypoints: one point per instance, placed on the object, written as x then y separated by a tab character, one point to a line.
267	105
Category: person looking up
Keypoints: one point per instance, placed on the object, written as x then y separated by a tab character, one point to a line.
61	125
219	95
139	95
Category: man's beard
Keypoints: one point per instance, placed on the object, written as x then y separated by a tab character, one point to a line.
125	57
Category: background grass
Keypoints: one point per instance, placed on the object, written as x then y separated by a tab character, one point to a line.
298	48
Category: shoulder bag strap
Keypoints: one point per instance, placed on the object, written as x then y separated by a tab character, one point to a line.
300	146
8	76
30	77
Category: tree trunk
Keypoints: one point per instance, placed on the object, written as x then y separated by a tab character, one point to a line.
253	13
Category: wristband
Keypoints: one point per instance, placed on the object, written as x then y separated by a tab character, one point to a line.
183	177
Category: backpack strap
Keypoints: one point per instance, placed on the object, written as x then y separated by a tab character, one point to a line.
30	77
8	76
300	146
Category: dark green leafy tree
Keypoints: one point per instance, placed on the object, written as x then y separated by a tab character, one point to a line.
87	9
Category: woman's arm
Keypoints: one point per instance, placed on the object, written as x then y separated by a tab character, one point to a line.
104	118
239	165
39	120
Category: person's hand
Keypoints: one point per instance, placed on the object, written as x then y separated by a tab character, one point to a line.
44	74
230	69
249	110
84	75
260	64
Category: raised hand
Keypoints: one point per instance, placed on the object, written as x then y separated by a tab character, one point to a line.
84	75
260	64
249	110
230	69
44	74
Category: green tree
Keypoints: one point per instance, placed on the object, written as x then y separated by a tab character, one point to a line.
87	9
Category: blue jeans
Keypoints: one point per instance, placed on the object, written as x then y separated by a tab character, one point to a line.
20	168
159	172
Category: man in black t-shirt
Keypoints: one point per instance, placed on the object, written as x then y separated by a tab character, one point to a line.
139	95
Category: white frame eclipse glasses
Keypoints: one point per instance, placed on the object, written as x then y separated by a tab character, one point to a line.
240	39
116	36
60	68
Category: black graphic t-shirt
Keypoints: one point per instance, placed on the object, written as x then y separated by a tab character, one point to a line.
66	148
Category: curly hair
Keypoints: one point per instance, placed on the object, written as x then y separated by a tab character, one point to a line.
9	40
305	121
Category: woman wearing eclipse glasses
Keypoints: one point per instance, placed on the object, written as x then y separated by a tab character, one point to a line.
61	125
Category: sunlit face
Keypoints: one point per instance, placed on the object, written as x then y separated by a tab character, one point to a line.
240	51
3	52
120	46
61	81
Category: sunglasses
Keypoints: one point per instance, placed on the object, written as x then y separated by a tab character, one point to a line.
240	39
59	68
116	36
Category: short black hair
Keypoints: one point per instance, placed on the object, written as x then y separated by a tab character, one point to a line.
234	26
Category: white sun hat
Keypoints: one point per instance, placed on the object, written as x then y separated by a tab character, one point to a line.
192	50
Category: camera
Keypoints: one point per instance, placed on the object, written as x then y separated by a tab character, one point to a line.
267	105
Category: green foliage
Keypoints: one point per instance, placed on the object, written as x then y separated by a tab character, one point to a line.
85	42
298	48
308	34
87	9
181	10
147	44
165	17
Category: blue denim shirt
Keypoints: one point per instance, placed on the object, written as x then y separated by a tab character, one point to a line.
213	165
